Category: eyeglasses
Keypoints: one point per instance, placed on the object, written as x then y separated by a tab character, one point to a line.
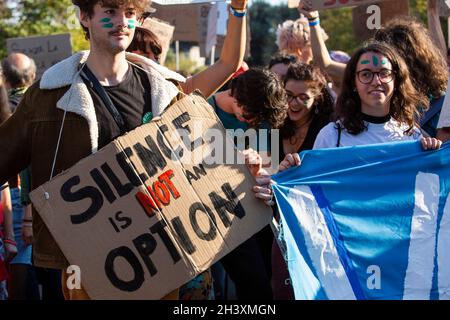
366	76
302	97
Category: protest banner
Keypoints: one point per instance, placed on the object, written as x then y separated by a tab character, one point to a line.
46	51
332	4
374	223
388	10
164	32
149	212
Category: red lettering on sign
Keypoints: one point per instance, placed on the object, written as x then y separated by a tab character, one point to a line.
159	194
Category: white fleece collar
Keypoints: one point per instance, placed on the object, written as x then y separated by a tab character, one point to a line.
78	100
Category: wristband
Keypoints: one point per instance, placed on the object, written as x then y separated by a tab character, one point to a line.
27	220
11	242
314	23
238	13
312	19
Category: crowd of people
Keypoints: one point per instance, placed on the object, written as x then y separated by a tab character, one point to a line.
392	88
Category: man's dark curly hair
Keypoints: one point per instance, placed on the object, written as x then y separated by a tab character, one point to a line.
262	97
87	6
282	58
323	106
405	102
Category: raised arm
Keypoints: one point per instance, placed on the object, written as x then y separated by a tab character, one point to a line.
231	58
10	243
434	26
320	52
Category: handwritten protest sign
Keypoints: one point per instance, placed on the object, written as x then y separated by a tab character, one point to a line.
148	212
46	51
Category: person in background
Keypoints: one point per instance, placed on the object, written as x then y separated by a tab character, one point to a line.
146	43
19	72
8	245
280	63
310	108
256	99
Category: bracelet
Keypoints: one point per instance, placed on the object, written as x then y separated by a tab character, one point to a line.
11	242
314	23
312	19
238	13
27	220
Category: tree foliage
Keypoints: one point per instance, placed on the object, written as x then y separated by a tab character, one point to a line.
23	18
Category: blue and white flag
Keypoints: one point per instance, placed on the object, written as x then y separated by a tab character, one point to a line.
368	222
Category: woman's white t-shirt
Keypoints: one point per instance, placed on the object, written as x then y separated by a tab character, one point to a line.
390	131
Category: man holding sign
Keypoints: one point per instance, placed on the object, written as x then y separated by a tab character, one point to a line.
84	102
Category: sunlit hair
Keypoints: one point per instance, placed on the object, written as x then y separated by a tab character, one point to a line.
323	100
87	6
427	66
405	102
294	35
261	94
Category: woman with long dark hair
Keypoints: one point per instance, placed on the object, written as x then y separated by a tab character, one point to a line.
310	108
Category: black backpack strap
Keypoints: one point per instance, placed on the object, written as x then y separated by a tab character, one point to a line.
339	128
91	80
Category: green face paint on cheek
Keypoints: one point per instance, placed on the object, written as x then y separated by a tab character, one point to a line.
375	61
131	24
107	24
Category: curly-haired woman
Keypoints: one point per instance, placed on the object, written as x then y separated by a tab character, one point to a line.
310	108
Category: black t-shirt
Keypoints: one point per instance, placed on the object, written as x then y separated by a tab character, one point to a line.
131	97
316	125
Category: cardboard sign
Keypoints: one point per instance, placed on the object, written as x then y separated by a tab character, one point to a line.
332	4
444	8
140	218
190	21
164	32
46	51
389	10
